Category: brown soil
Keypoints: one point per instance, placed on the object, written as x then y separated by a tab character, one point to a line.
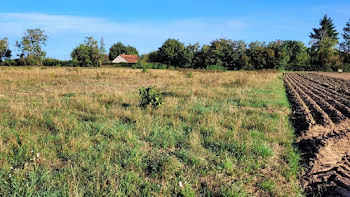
345	76
321	116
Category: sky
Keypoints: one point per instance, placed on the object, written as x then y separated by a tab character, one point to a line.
146	24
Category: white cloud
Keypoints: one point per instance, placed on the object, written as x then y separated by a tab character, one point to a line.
65	32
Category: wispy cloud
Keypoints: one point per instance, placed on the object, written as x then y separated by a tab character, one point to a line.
67	31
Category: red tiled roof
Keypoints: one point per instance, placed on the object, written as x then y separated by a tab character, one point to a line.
130	58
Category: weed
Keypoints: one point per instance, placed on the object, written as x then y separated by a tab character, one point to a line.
189	75
149	96
216	68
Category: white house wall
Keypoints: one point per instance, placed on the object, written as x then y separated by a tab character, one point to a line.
119	59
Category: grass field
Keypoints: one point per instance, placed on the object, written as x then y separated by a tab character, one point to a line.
80	132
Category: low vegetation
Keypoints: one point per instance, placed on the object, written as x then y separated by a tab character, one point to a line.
80	131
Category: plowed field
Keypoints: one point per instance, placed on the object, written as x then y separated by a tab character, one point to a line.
321	112
337	75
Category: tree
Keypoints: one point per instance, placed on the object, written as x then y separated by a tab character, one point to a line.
223	52
202	58
153	56
298	55
31	45
102	46
280	54
190	54
120	48
89	53
102	49
327	29
261	57
173	53
5	52
345	45
324	56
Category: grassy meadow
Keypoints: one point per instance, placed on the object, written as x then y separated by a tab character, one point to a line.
80	132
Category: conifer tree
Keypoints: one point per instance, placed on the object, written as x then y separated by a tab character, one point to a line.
345	45
327	29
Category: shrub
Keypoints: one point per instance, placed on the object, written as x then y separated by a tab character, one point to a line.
345	67
54	62
149	66
216	67
149	96
9	63
63	63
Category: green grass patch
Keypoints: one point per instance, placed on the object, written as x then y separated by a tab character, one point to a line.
217	134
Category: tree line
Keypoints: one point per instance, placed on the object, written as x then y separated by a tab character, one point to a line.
325	53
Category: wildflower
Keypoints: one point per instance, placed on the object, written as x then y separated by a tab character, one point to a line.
38	155
180	184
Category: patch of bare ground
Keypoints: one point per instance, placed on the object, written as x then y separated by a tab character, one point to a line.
321	112
345	76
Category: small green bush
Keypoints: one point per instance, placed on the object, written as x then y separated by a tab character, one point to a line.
149	65
50	62
216	67
149	96
345	67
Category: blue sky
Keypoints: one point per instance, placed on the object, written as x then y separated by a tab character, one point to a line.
147	24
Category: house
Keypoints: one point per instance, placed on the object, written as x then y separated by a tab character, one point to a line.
126	59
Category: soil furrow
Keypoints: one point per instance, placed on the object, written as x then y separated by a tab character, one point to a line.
319	115
301	118
335	115
328	82
343	98
344	109
325	144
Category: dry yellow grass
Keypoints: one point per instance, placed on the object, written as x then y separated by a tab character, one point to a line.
219	133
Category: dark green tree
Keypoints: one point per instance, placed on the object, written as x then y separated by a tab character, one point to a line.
261	57
345	44
130	50
325	57
190	54
120	48
202	58
280	54
223	52
298	55
323	54
153	57
173	53
327	29
89	53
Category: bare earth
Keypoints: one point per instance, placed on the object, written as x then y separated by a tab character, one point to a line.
321	112
345	76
